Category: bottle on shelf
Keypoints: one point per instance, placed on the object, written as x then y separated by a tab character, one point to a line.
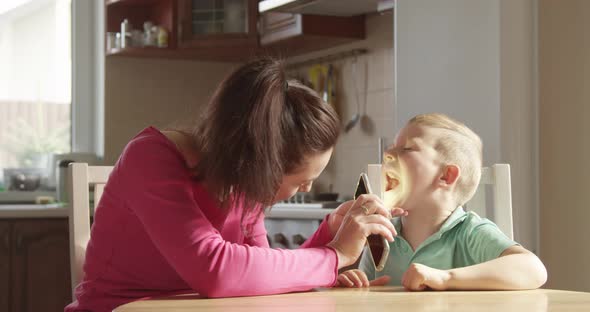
125	34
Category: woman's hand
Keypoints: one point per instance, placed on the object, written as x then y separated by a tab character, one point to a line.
339	213
336	217
358	278
363	217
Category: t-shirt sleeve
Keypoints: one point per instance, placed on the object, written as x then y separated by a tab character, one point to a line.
485	241
160	193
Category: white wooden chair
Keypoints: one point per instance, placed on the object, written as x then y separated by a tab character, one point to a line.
82	177
496	207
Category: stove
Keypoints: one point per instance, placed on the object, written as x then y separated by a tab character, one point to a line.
288	225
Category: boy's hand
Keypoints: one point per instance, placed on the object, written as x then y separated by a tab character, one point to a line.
358	278
421	277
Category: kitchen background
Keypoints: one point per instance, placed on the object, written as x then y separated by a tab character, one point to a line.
513	70
140	92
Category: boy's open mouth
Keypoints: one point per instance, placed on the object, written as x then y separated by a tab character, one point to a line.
391	181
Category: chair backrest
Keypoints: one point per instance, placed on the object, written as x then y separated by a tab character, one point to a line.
82	177
496	207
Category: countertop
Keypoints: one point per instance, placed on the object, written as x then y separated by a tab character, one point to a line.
18	211
279	211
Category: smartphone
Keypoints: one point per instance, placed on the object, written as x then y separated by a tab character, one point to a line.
378	245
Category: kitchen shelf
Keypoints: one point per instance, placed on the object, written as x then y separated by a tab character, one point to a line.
298	213
211	54
129	2
160	12
142	52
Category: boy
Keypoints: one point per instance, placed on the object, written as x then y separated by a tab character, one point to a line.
440	246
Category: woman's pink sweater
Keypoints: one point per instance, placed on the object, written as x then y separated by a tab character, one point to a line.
157	232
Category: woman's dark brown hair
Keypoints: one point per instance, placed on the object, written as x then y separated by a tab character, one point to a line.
257	128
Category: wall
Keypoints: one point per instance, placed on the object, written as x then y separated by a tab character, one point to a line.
519	115
564	85
448	60
474	60
142	92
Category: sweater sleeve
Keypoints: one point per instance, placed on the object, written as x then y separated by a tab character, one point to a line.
159	193
258	236
321	236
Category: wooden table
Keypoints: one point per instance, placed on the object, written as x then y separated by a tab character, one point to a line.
380	299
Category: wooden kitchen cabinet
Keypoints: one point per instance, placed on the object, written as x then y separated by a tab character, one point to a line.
5	288
228	30
197	29
37	267
222	28
289	34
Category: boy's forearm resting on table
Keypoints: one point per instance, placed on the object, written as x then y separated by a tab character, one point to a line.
516	268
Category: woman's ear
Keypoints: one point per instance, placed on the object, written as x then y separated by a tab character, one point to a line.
450	174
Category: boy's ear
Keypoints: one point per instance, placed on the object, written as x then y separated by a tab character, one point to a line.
450	174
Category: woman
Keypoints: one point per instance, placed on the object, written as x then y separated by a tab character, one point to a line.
183	211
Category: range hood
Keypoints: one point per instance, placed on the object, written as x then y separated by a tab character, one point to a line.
325	7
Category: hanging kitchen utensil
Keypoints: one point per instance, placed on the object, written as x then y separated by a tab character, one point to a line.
331	85
367	124
317	76
357	116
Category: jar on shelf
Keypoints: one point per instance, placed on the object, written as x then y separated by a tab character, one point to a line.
162	37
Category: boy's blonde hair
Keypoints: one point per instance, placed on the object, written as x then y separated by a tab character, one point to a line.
458	145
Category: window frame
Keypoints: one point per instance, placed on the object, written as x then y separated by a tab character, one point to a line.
88	59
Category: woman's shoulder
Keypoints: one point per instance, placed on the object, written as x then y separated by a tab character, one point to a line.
151	142
148	139
185	145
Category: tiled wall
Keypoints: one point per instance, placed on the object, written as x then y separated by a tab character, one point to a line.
375	75
157	92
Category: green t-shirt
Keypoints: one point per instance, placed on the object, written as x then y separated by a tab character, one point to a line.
464	239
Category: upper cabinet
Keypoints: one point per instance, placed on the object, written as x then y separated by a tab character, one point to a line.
217	22
289	34
219	27
220	30
325	7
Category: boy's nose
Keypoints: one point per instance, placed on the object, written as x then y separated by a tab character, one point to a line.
391	155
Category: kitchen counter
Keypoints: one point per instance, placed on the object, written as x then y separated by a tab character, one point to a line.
26	211
295	211
279	211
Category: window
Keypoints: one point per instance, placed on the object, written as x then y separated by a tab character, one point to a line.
35	82
51	89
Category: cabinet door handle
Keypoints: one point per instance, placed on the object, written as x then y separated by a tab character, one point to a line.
19	242
7	242
298	239
282	239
